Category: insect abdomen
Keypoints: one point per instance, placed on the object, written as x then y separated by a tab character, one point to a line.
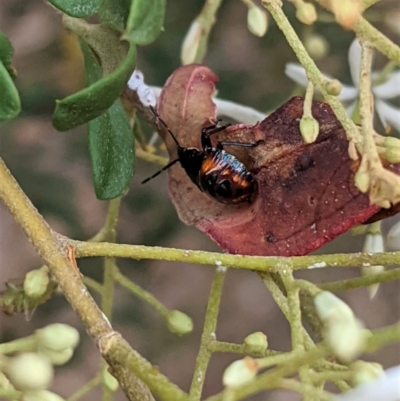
226	179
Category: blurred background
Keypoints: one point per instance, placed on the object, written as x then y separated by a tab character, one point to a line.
53	168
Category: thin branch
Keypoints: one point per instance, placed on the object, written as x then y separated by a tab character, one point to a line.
270	264
208	336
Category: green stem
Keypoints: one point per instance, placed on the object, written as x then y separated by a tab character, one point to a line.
10	394
93	284
208	336
85	389
225	347
140	292
308	392
25	344
358	282
383	336
269	264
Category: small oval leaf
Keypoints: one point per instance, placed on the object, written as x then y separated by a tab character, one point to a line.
146	19
10	104
6	54
77	8
111	143
111	151
95	99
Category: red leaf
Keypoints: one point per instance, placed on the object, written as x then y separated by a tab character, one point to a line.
306	192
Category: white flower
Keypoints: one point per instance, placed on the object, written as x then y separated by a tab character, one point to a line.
388	114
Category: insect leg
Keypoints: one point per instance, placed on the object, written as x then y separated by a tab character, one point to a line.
208	131
220	145
160	171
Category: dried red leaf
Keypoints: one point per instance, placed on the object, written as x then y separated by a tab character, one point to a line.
306	192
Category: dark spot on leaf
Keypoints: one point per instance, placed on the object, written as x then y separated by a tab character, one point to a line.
270	237
304	162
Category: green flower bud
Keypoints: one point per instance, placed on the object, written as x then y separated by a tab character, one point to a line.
41	395
347	12
35	283
317	46
109	380
365	372
393	155
179	323
191	43
391	142
309	129
362	180
57	358
333	87
240	372
29	371
58	337
256	343
306	13
257	21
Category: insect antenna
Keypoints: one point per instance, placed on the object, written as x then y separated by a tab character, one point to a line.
160	171
165	125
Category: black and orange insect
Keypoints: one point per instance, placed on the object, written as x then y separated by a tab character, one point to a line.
215	172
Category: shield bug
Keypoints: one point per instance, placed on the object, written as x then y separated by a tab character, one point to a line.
214	171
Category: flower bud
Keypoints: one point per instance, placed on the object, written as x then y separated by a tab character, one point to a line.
191	43
392	155
240	372
344	333
391	142
373	243
330	308
317	46
58	337
346	339
29	371
347	12
306	13
365	372
309	129
257	21
179	323
333	87
36	282
57	358
256	343
362	180
41	395
109	380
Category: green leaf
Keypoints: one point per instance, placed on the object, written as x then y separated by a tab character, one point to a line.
6	54
146	19
111	151
111	141
95	99
77	8
114	13
10	104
